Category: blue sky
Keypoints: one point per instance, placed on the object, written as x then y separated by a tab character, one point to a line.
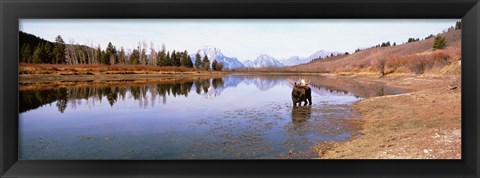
241	38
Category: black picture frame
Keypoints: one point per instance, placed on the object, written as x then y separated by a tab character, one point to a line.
467	10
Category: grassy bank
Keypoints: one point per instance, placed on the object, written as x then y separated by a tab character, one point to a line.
72	70
423	124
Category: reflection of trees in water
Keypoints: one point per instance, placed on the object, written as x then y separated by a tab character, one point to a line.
318	90
380	90
205	85
217	83
145	94
149	93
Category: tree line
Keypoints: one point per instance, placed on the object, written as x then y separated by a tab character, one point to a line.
39	51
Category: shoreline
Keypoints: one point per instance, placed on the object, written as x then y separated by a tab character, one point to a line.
422	124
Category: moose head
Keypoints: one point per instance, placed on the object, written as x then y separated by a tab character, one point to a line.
301	92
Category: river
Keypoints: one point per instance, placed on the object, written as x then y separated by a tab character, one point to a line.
230	117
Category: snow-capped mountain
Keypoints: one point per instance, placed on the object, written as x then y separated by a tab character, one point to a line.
214	53
248	63
322	53
296	60
264	60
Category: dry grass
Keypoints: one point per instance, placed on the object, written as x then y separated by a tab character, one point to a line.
417	57
431	129
61	69
426	61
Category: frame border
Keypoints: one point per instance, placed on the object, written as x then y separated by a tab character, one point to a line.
468	10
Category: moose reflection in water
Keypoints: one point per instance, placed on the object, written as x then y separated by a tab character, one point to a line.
301	114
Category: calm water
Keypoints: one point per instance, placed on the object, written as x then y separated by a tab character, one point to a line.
234	117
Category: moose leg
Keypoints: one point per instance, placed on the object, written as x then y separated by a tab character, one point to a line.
309	100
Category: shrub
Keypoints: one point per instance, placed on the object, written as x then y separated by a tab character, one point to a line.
440	43
441	59
418	65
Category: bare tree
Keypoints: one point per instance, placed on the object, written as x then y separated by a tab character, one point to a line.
143	53
379	60
153	55
122	56
71	53
92	54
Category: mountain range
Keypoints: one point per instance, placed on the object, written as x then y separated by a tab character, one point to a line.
296	60
263	60
214	53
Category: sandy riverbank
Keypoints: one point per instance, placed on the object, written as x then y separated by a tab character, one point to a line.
423	124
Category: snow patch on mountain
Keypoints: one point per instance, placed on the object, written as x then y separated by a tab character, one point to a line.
296	60
214	53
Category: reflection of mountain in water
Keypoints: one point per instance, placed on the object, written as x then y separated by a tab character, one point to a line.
263	84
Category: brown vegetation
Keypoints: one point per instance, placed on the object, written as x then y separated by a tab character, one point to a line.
98	69
424	124
415	57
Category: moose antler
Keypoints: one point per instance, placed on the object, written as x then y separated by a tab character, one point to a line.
304	82
292	83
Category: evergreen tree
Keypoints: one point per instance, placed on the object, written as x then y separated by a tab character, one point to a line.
38	54
189	62
458	25
184	59
168	59
175	58
25	53
105	59
161	58
440	43
410	40
48	55
198	61
135	57
206	63
214	65
111	53
59	50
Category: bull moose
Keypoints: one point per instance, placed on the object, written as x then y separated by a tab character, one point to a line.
301	92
